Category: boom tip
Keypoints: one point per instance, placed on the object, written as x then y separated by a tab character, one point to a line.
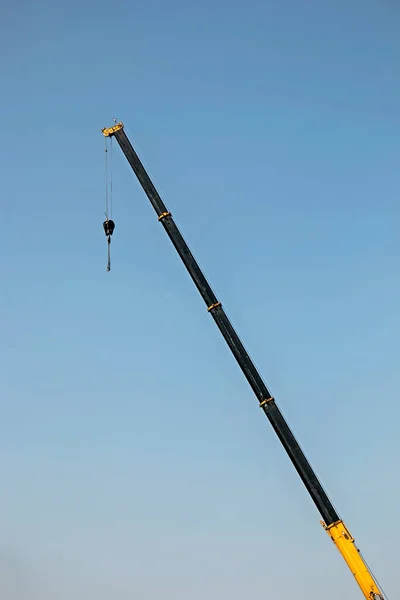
109	131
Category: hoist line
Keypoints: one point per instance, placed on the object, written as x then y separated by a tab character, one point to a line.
106	161
111	179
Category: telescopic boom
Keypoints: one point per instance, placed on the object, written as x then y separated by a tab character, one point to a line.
331	521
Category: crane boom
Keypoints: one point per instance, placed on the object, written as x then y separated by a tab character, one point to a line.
331	521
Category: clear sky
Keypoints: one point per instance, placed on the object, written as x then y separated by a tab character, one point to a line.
135	462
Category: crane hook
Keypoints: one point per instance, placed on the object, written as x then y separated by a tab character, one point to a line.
109	227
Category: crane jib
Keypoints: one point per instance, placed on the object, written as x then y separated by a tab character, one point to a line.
332	523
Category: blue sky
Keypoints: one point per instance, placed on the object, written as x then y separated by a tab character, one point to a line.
134	459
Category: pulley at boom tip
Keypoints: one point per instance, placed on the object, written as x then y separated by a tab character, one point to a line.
109	131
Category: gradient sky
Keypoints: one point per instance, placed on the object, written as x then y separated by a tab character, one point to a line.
135	462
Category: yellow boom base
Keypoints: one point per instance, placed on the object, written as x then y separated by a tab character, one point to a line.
345	543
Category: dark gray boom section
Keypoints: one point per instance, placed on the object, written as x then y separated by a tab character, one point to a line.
214	307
